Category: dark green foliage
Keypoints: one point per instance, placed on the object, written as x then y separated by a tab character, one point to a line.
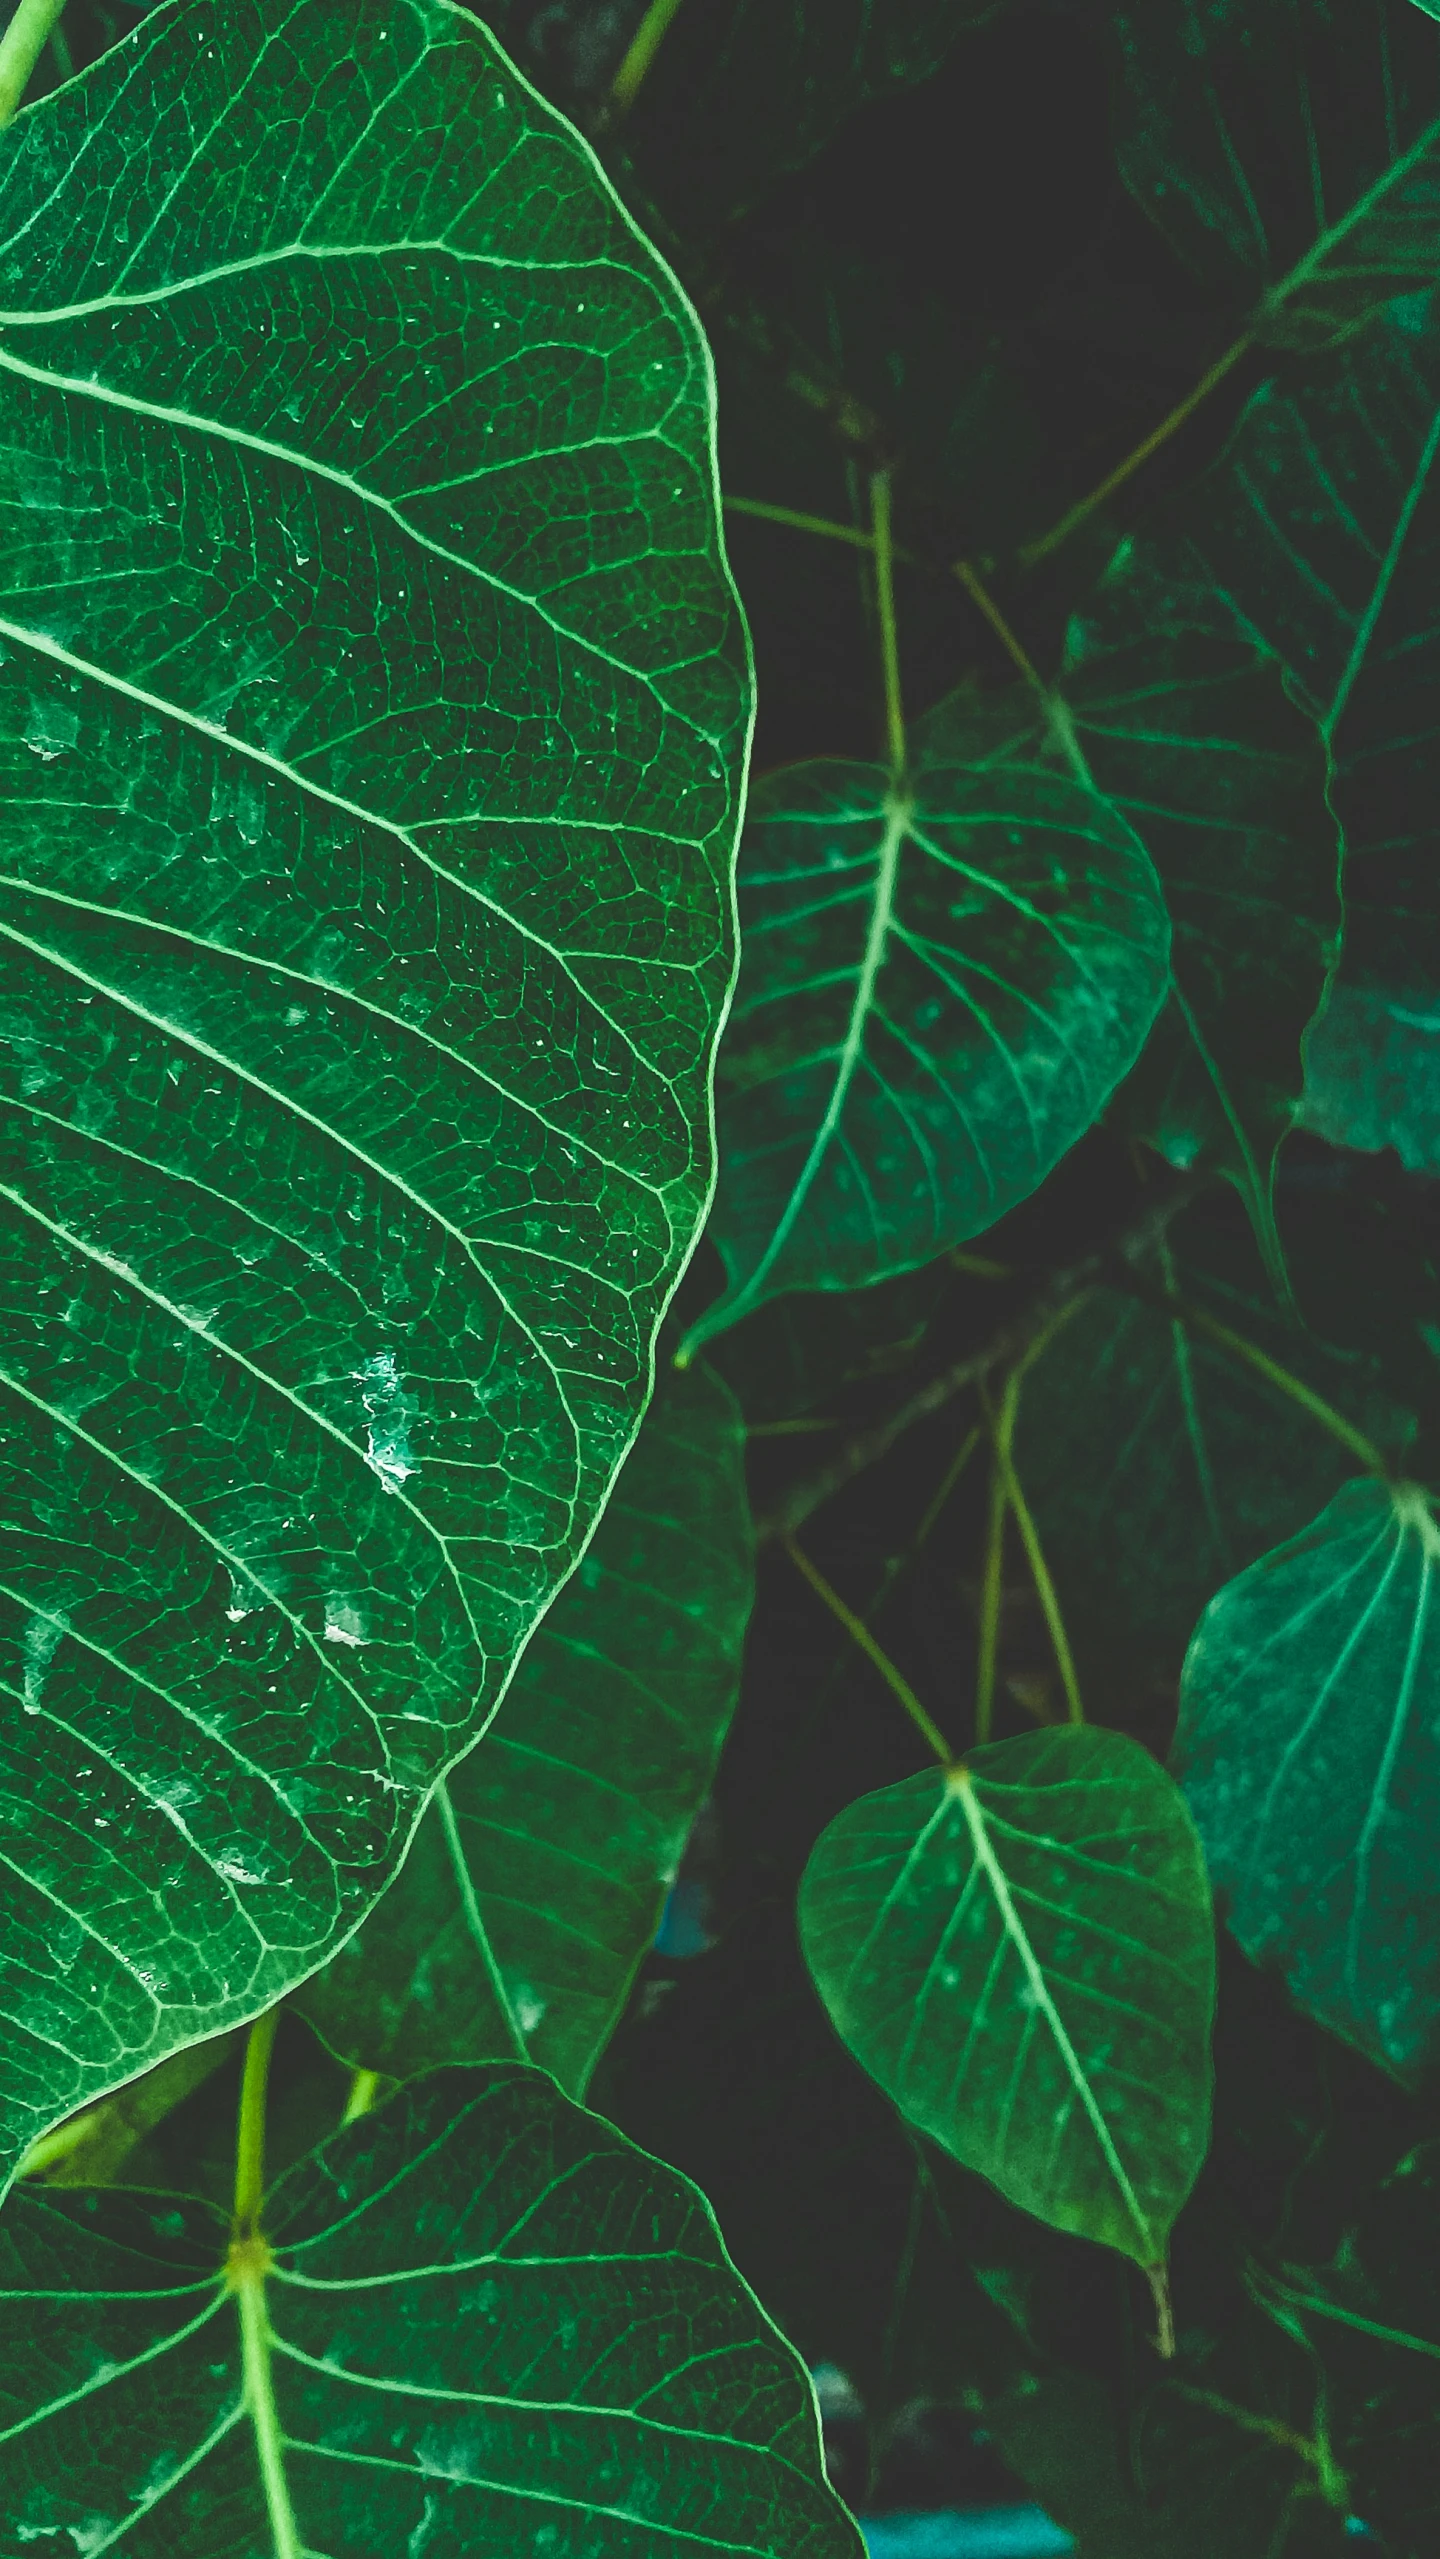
1054	1186
409	2359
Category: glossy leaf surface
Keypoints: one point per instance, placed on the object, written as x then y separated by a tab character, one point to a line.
548	1853
1021	1952
372	709
939	992
1309	1749
453	2360
1290	153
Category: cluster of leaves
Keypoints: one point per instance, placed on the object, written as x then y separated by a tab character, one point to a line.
434	1274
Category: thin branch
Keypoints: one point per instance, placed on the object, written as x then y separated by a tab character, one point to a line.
1358	1443
859	1633
1006	1344
825	525
1045	1590
992	1582
889	635
980	596
639	55
1076	515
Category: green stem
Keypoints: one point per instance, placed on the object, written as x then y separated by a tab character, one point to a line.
981	597
249	2264
859	1633
1030	552
889	637
800	523
364	2088
1040	1575
1299	1393
948	1482
57	2145
21	46
993	1584
250	2130
643	47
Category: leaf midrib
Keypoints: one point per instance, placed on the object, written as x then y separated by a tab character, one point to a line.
962	1785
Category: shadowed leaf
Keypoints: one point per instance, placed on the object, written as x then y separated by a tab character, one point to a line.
1290	153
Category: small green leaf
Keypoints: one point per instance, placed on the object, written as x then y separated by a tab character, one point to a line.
1309	1749
1291	150
1021	1952
372	718
434	2346
548	1855
1190	732
941	988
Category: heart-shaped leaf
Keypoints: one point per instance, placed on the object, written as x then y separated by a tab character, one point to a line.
432	2345
1309	1750
372	712
1291	150
537	1878
1020	1950
1191	734
941	988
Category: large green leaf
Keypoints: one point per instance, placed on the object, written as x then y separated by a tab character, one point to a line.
1021	1952
1309	1748
941	989
372	710
434	2346
547	1856
1289	151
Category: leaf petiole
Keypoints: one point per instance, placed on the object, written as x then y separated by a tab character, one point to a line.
826	526
639	55
889	637
859	1633
21	46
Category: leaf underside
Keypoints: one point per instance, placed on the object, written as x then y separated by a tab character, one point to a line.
372	713
982	1938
